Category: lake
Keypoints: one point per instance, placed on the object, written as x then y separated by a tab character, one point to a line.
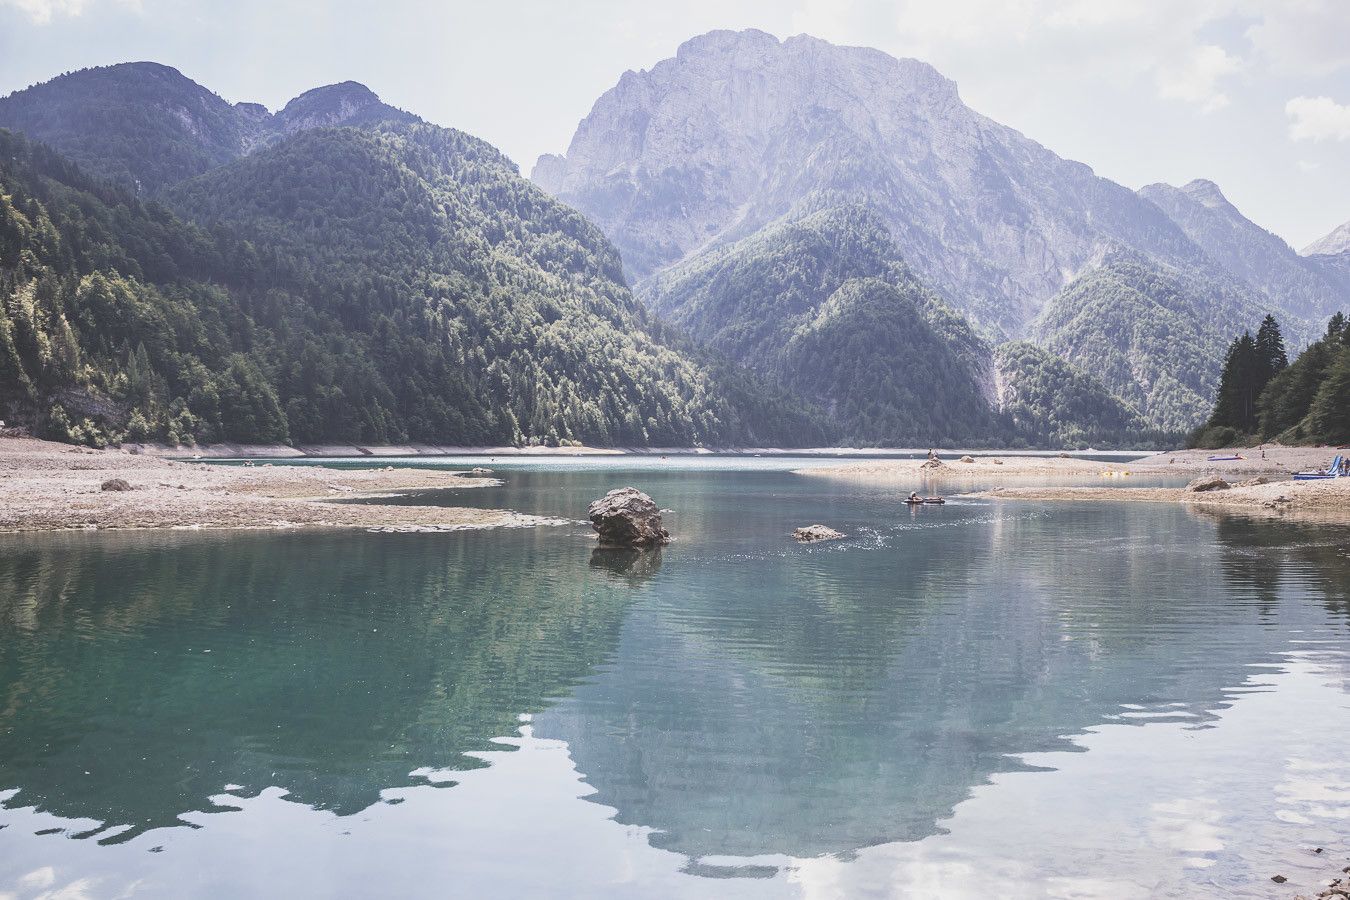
981	699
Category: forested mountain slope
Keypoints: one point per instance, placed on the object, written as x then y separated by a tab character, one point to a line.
1150	333
1046	395
371	286
146	126
821	302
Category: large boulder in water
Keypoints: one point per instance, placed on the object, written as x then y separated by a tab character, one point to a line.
808	533
626	517
1208	483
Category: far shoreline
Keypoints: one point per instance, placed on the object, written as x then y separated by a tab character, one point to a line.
413	451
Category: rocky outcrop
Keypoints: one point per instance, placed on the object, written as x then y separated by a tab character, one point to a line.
116	484
626	517
808	533
336	104
1208	483
932	462
967	459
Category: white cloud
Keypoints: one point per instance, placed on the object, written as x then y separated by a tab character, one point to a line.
44	12
1304	36
1122	43
1318	119
40	12
1196	78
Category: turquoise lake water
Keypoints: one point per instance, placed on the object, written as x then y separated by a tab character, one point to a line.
982	699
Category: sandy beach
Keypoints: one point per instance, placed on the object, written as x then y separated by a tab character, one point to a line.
1327	501
1320	501
980	468
47	486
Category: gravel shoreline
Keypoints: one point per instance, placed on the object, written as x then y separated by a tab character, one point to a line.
47	486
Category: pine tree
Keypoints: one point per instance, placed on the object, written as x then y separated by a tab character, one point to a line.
1329	417
1238	387
1336	327
1271	356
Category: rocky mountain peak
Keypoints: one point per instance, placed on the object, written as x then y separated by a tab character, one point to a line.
1335	243
739	127
331	104
1206	192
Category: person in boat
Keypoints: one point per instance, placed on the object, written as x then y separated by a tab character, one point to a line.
914	497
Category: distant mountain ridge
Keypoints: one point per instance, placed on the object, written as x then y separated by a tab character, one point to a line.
739	127
833	220
740	130
1335	243
1246	250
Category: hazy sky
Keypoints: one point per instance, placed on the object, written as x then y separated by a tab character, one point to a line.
1253	94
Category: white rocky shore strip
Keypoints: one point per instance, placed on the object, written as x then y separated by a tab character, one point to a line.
46	486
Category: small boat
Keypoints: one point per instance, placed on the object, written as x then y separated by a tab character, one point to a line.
1313	476
923	500
1229	458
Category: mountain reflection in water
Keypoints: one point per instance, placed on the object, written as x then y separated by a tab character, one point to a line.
740	699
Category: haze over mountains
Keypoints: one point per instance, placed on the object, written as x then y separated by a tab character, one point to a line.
825	244
740	132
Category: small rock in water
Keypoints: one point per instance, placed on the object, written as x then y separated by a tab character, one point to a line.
480	471
116	484
808	533
1208	483
1278	879
626	517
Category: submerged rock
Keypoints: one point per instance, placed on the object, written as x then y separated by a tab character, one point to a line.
116	484
808	533
626	517
1208	483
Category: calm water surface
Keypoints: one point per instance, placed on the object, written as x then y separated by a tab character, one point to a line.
983	699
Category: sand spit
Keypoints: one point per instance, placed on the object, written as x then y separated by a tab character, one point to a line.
1316	501
1323	501
981	468
47	486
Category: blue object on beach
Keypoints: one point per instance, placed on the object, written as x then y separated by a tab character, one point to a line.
1337	469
